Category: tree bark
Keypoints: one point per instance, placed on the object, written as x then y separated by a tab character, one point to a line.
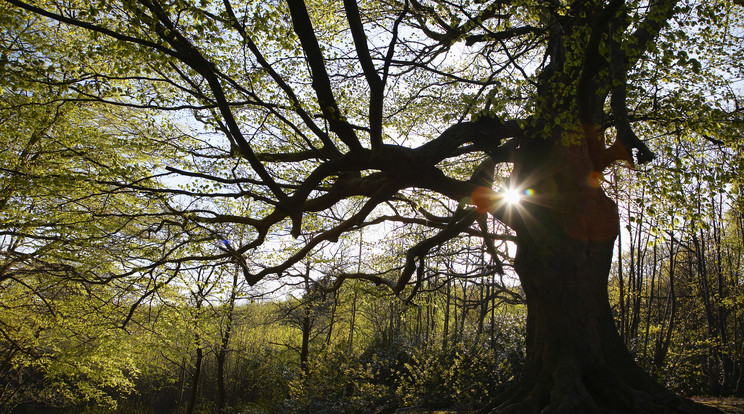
576	360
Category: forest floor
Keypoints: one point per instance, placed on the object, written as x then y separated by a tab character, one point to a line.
728	405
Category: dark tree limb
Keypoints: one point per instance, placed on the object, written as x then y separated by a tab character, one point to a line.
503	35
625	135
593	63
377	279
393	41
329	235
321	80
659	13
376	85
490	246
451	32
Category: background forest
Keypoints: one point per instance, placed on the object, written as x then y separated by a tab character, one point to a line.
205	339
104	307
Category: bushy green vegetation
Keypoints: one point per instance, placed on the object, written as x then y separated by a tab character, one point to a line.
381	370
397	358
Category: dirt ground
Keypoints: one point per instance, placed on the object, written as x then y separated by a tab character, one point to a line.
728	405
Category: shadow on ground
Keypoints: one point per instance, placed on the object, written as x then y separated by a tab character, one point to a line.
728	405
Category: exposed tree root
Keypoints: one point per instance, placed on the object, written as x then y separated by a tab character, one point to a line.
567	392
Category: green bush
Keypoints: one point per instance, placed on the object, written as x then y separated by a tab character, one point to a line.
456	377
469	372
339	383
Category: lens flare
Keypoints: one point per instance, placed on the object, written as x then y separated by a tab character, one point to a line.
512	196
484	199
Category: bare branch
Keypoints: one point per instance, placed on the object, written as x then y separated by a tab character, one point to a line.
329	146
329	235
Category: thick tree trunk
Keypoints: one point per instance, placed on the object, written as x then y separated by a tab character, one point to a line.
576	360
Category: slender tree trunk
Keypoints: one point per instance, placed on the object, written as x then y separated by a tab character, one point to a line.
220	397
418	331
461	333
722	294
493	313
446	323
195	377
635	284
432	331
306	323
664	337
735	254
225	343
352	323
332	320
181	384
650	302
482	305
195	381
627	335
701	246
306	326
454	313
621	285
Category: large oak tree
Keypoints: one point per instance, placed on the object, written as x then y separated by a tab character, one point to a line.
334	117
